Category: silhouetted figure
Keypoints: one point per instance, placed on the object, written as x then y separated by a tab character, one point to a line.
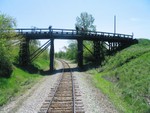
82	29
77	29
50	28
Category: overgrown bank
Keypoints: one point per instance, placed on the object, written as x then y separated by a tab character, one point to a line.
15	79
21	78
20	81
124	78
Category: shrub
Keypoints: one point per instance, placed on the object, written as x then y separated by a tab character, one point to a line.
5	63
6	24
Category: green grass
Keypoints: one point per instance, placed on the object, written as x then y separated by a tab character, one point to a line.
125	78
41	63
17	84
112	92
21	78
20	81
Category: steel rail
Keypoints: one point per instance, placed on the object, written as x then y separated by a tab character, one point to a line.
56	88
63	97
73	90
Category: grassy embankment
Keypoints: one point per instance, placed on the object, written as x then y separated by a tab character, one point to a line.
125	78
20	80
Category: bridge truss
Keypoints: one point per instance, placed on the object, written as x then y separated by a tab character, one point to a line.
110	41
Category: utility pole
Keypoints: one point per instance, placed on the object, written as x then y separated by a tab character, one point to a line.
114	24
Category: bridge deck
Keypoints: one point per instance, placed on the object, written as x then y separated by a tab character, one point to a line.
72	34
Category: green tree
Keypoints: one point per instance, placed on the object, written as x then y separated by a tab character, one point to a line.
72	51
85	22
34	45
6	24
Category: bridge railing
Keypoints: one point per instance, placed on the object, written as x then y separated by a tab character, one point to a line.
70	32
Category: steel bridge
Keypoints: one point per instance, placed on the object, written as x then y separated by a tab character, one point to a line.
111	41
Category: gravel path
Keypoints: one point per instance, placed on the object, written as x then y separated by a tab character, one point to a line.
94	101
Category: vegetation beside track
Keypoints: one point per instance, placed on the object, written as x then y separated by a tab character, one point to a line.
21	80
125	79
17	84
14	79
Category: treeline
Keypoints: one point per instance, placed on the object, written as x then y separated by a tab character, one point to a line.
71	52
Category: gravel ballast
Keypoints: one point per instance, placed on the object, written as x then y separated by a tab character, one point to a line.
93	100
33	99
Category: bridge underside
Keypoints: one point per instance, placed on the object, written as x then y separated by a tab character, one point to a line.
107	43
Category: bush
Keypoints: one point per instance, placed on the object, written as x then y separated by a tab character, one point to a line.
6	67
5	63
6	23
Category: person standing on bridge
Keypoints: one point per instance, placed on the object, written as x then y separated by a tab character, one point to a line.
77	29
50	28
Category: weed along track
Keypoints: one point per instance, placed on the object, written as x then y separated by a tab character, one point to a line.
65	96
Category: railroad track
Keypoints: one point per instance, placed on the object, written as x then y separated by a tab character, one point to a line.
65	96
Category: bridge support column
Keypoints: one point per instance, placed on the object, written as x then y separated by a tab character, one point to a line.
110	48
80	53
97	51
52	55
24	53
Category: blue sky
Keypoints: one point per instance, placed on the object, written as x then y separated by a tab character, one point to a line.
132	15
